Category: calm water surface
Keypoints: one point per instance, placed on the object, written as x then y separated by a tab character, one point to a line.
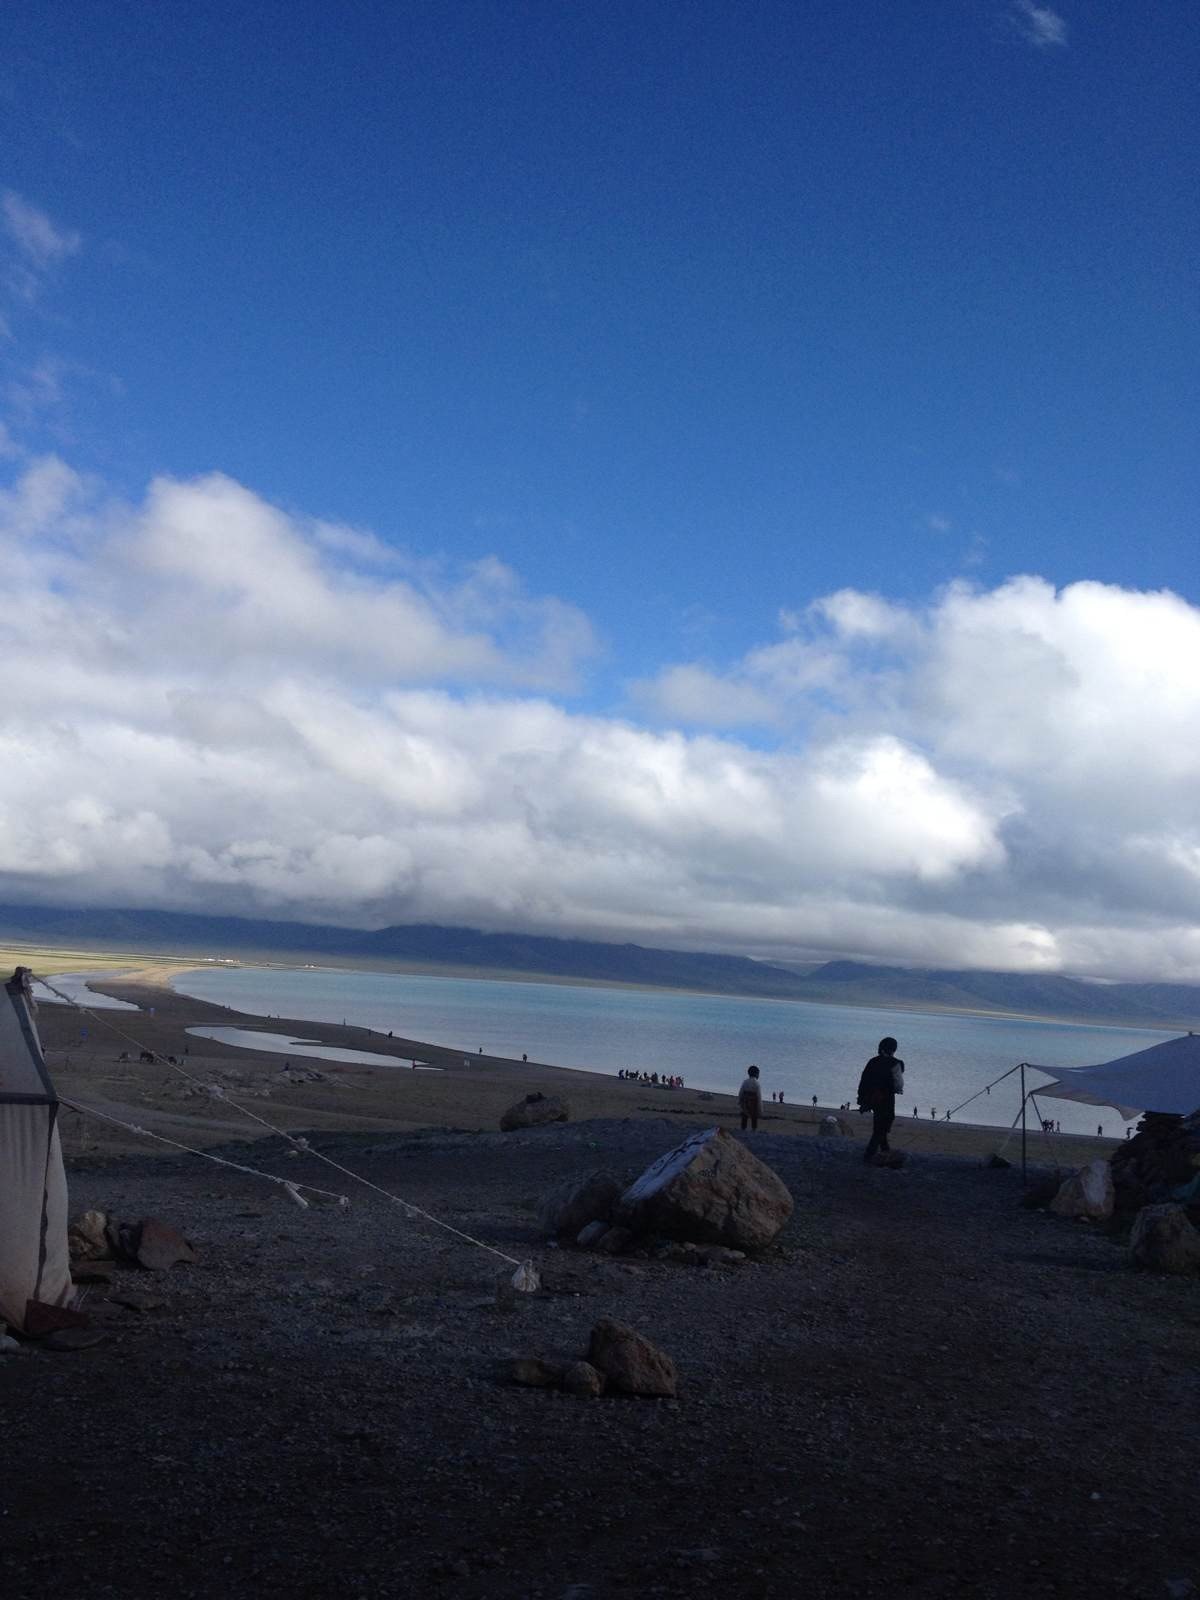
803	1049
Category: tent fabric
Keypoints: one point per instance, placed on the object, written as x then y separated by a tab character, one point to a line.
34	1261
1165	1077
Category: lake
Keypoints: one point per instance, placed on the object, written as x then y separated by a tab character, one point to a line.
709	1040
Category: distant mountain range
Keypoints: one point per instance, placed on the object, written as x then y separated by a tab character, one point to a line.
424	945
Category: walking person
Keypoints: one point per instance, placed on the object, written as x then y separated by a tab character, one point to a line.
882	1078
750	1100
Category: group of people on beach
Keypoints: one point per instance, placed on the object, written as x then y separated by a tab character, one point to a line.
663	1079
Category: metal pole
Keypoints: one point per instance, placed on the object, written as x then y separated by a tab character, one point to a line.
1024	1162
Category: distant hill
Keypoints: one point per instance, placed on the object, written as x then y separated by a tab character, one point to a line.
427	945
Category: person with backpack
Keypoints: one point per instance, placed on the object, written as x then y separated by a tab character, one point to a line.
882	1079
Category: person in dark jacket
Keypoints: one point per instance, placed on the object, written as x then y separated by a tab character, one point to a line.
882	1076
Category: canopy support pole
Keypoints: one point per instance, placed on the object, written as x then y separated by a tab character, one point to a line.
1024	1138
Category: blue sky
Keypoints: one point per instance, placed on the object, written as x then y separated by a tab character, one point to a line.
683	320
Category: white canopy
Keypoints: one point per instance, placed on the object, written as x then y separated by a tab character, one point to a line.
1166	1077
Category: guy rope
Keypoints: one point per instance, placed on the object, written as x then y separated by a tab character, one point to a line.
525	1278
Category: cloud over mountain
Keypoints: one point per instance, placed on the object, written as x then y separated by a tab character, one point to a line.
211	703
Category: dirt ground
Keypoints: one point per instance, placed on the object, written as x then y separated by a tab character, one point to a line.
921	1389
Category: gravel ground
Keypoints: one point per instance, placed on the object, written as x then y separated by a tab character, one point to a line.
921	1389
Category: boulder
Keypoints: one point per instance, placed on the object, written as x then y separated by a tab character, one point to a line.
576	1201
629	1363
710	1189
591	1235
582	1379
533	1111
1164	1240
1087	1193
160	1246
831	1127
86	1238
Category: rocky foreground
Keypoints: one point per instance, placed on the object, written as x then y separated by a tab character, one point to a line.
918	1388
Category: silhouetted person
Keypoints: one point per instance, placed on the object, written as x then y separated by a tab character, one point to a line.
750	1100
877	1087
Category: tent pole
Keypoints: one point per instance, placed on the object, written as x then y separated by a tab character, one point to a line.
1024	1141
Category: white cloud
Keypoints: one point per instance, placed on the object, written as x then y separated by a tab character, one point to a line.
38	239
212	704
691	694
1039	25
36	245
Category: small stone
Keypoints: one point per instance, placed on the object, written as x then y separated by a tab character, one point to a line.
591	1235
582	1379
161	1246
86	1238
535	1110
531	1372
629	1362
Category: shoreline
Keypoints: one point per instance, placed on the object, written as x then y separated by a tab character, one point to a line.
468	1094
65	960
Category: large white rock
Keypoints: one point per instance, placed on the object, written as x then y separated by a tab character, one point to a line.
710	1189
1086	1193
1164	1240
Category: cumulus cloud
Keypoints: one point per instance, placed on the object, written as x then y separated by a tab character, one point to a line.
1039	25
213	704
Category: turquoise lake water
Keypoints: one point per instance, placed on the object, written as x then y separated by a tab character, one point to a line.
803	1049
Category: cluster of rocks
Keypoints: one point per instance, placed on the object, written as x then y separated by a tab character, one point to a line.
708	1201
1163	1236
619	1361
96	1241
534	1111
1162	1159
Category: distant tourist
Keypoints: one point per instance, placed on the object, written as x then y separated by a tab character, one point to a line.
1100	1131
524	1057
877	1094
750	1100
814	1099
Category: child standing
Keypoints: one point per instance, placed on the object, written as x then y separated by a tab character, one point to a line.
750	1100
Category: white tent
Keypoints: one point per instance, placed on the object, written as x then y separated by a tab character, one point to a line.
34	1264
1166	1077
